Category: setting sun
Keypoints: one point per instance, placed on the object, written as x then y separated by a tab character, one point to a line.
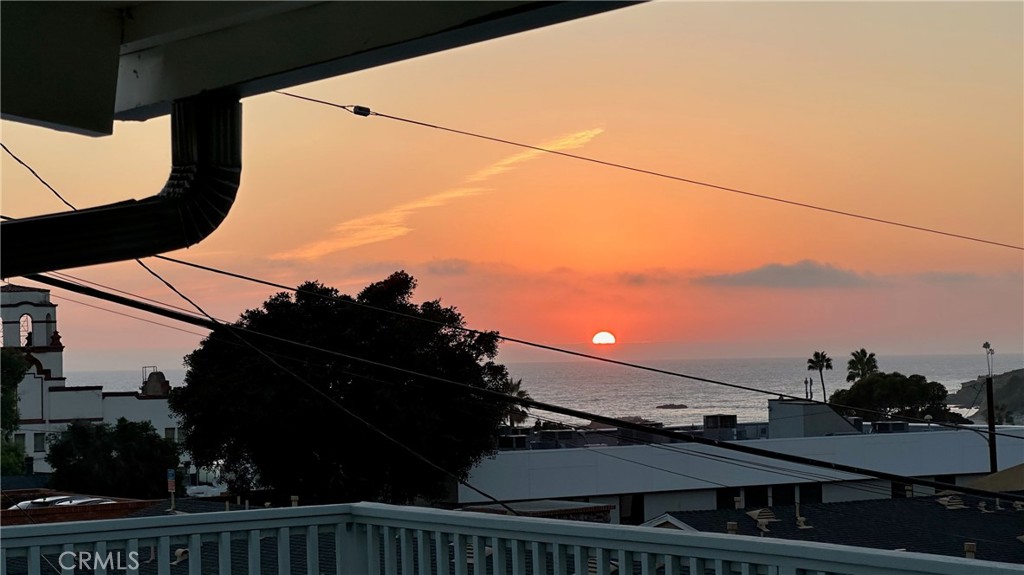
603	338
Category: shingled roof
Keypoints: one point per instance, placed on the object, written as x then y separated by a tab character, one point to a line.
919	524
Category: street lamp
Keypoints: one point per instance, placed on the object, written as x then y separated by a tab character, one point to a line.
989	352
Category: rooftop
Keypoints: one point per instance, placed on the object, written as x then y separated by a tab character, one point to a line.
919	524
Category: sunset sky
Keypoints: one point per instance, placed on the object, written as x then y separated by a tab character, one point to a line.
904	111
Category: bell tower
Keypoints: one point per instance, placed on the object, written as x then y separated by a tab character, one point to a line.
30	324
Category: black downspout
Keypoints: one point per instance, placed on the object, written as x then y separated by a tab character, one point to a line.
206	168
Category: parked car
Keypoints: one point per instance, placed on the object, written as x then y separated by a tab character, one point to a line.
54	500
84	501
41	502
206	490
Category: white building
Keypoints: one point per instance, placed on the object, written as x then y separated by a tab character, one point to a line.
45	403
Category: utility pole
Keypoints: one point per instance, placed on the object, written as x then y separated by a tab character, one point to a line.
993	466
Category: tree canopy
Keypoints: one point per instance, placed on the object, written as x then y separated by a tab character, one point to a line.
860	365
896	394
268	429
12	369
125	460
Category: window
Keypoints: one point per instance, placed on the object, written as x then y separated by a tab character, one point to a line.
631	509
755	497
901	490
810	493
783	495
25	326
725	497
19	440
169	433
39	440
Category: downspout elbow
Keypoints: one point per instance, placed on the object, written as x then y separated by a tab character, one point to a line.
206	153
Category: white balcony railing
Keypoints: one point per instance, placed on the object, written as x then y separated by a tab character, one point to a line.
370	538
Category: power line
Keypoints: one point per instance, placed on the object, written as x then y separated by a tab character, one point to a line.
365	111
129	315
564	351
113	289
733	446
38	177
803	475
217	325
415	454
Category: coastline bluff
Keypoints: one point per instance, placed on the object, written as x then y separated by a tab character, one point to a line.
1007	389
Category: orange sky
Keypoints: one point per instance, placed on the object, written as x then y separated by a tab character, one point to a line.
904	111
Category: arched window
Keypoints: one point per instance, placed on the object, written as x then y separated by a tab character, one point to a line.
26	330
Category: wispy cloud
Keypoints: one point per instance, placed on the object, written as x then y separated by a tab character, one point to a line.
393	222
800	275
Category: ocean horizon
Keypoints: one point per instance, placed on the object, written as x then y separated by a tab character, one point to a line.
620	391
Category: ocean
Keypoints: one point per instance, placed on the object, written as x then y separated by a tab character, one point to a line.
620	391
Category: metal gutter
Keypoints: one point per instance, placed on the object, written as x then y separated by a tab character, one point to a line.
206	168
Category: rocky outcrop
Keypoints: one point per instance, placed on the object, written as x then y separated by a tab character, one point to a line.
1007	388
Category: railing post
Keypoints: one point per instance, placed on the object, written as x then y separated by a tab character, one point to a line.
479	555
284	551
100	551
132	552
163	556
423	552
352	548
254	552
312	550
540	557
224	553
195	555
558	559
442	552
387	538
460	541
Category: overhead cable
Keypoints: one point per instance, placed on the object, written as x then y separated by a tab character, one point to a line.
561	350
683	436
365	111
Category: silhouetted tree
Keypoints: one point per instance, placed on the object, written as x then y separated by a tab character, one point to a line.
819	362
129	459
238	409
896	394
12	369
860	364
515	413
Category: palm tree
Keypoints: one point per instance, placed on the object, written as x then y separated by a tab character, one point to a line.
819	362
861	364
513	411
